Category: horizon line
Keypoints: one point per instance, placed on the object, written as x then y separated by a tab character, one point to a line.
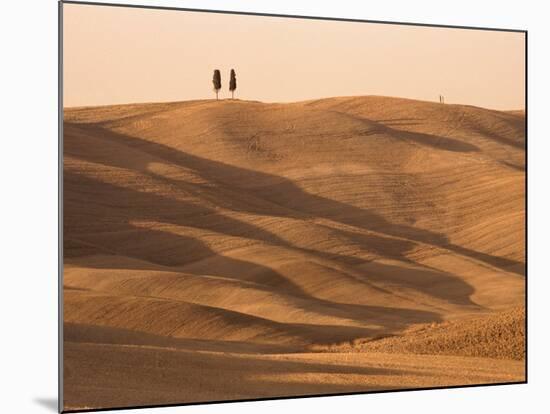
285	102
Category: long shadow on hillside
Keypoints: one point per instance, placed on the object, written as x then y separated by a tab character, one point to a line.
127	205
281	194
285	195
112	234
428	140
95	334
447	143
520	168
185	377
513	122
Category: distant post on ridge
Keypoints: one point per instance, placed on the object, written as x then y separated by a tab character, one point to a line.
232	83
217	81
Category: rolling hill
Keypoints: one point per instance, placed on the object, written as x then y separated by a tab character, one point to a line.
235	249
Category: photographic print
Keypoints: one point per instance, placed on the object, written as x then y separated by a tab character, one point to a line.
260	206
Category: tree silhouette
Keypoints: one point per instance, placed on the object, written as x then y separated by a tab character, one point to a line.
217	81
232	83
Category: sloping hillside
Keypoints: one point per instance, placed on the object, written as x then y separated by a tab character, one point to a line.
500	335
219	232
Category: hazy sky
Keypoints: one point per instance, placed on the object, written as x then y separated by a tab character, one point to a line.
122	55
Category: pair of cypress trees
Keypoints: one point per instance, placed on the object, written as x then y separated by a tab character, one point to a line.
217	81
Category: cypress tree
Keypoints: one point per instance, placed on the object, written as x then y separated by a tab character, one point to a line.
217	81
232	83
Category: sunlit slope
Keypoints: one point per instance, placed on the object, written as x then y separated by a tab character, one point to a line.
498	336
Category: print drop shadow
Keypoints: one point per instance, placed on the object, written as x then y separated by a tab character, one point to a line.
50	404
